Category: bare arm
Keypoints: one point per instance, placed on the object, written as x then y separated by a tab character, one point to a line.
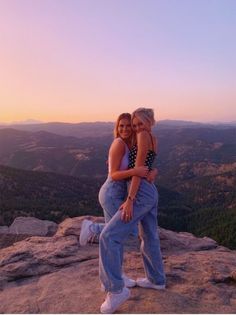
118	175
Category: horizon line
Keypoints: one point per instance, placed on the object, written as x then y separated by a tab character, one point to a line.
39	122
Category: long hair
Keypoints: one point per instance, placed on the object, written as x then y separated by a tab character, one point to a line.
121	116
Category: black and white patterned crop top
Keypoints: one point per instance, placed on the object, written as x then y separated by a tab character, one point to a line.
149	159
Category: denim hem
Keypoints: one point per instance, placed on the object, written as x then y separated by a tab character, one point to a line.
115	291
164	283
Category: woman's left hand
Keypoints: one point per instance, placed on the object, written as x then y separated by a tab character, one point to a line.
126	210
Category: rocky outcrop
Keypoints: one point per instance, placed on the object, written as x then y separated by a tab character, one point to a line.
24	227
56	275
184	242
71	226
4	229
32	226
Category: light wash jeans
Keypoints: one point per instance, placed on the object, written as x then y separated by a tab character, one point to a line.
116	232
111	196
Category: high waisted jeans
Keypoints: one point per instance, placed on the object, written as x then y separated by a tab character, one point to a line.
111	195
116	232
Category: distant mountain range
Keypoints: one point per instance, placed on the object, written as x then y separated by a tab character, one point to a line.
46	151
100	129
80	130
184	123
197	174
184	153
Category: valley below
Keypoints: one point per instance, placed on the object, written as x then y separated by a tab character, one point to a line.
55	172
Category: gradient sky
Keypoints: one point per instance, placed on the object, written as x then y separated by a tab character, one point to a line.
90	60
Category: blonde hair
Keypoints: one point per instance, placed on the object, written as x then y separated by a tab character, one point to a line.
121	116
146	115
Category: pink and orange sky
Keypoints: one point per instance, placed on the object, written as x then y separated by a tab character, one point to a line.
90	60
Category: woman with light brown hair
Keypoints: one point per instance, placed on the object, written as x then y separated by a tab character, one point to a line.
140	206
114	191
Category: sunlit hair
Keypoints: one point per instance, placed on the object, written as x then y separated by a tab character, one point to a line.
146	115
121	116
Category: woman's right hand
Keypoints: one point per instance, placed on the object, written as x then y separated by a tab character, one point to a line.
152	175
141	171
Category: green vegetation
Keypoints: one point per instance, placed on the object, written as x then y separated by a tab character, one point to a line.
46	195
55	197
196	179
217	223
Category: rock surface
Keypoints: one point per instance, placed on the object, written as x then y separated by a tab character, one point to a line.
4	229
56	275
32	226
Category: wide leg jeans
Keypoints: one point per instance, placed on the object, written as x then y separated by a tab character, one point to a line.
111	195
117	231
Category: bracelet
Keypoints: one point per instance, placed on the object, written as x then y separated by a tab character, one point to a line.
130	198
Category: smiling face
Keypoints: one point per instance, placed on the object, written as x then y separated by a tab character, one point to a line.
138	125
124	128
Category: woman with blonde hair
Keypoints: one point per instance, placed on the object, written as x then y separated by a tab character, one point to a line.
139	206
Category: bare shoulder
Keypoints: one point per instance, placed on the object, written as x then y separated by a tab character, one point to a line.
142	135
117	145
118	142
146	136
143	140
148	139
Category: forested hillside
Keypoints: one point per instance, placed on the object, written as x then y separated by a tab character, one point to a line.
45	195
53	176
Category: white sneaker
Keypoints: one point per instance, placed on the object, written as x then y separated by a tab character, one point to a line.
103	288
85	232
129	283
145	283
114	300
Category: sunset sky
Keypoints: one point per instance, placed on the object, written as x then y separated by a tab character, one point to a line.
90	60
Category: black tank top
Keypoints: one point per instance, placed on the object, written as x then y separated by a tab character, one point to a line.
149	158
